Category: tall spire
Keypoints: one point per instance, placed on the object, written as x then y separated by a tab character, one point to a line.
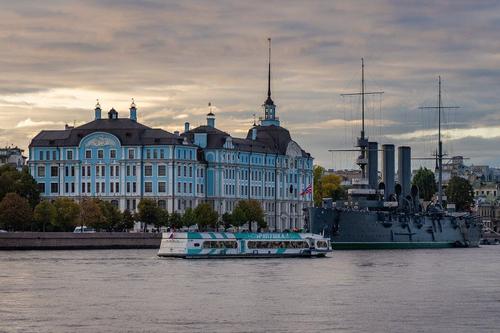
269	101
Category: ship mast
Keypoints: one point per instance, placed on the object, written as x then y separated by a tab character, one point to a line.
439	154
362	160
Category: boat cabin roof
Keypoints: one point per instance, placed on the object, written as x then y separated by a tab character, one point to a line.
241	235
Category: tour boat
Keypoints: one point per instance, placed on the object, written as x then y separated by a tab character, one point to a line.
242	245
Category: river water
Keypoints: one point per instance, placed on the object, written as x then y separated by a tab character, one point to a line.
448	290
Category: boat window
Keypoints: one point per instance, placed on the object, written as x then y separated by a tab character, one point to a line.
278	245
321	243
220	244
196	244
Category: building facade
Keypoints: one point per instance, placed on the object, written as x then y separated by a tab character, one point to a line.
12	156
122	161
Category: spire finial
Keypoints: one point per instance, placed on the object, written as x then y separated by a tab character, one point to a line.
132	105
254	123
97	105
269	71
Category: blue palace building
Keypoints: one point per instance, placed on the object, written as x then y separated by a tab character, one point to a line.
122	161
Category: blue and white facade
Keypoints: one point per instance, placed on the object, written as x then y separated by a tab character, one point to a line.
122	161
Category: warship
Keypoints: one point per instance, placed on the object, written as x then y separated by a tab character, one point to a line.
389	214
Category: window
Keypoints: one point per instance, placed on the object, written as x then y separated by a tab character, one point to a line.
131	154
103	187
41	187
72	187
66	187
40	155
72	171
117	170
162	153
112	154
54	187
134	170
220	244
100	154
155	154
97	170
111	187
162	187
83	187
162	204
88	153
148	153
117	187
134	187
162	170
41	171
69	155
128	170
54	171
103	170
111	171
97	187
128	187
148	170
66	169
148	187
54	155
47	155
83	171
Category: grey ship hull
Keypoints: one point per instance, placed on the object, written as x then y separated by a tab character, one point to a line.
363	229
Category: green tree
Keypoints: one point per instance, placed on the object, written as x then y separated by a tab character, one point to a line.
163	218
67	214
331	187
44	215
318	172
188	218
148	212
15	212
127	221
227	220
426	182
175	221
112	216
91	214
205	216
20	182
248	211
460	192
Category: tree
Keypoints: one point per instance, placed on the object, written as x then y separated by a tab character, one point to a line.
205	216
188	218
175	221
248	211
67	213
459	191
111	214
15	212
227	220
162	219
426	182
148	212
127	221
20	182
44	215
331	187
318	172
91	214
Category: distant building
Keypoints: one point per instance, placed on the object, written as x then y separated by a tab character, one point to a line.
347	175
12	156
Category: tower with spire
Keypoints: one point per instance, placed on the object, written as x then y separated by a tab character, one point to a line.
269	107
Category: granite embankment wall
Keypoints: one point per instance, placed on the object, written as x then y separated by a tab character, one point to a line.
74	241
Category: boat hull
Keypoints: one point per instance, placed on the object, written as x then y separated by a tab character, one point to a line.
363	230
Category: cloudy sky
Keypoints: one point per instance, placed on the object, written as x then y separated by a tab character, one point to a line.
58	57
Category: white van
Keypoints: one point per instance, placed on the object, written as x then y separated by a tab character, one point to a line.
83	229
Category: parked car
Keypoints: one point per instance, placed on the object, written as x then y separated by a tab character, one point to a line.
83	229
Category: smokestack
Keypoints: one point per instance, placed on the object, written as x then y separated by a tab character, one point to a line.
404	169
388	170
373	164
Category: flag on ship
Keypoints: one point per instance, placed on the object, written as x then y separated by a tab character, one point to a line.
307	190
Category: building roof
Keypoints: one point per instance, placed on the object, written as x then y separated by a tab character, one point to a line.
129	132
270	139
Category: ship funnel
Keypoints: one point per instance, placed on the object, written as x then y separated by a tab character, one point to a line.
388	170
404	169
373	164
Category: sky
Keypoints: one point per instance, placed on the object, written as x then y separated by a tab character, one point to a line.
173	57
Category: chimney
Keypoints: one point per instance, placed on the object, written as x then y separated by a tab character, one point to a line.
373	164
388	170
404	169
186	127
133	111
